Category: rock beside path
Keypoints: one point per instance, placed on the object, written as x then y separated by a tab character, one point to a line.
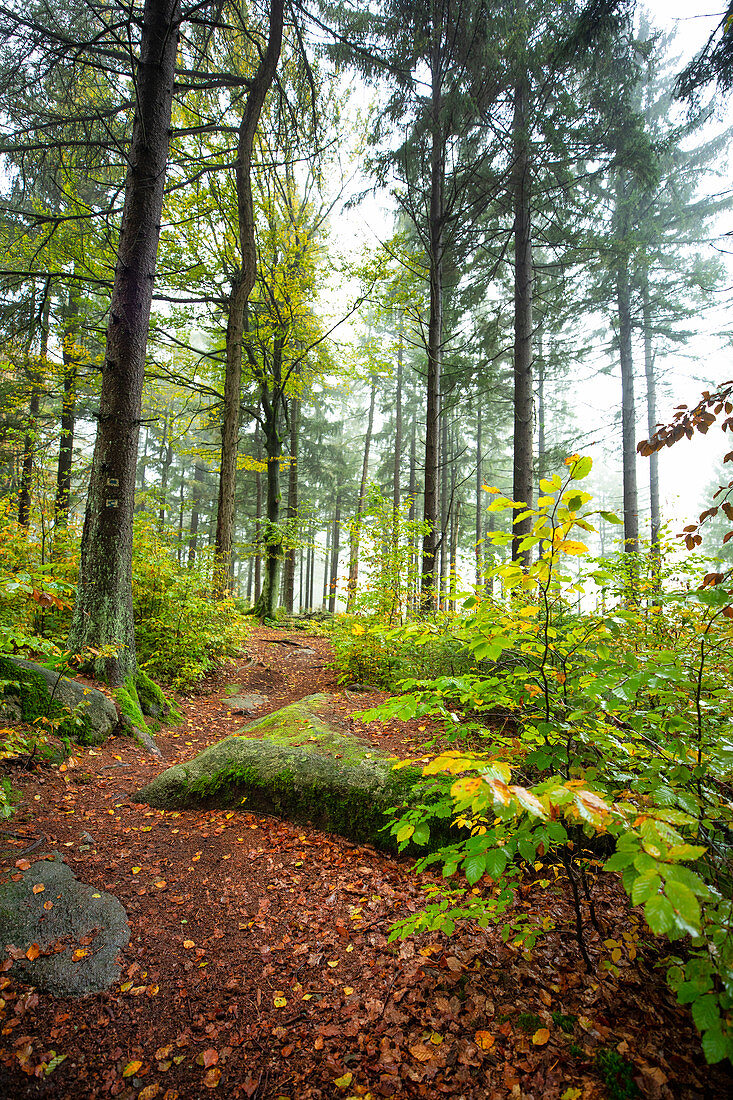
75	942
298	764
32	691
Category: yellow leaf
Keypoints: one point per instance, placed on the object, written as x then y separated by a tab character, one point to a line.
465	788
38	888
280	1002
131	1069
136	870
149	1091
572	547
540	1037
435	1038
345	1081
80	953
348	990
212	1077
484	1040
188	944
33	951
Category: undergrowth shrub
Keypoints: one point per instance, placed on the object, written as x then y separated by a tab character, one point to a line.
181	628
621	738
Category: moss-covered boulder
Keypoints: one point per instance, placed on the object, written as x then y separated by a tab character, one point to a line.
31	691
298	764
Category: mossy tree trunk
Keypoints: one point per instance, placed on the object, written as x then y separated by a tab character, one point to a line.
103	615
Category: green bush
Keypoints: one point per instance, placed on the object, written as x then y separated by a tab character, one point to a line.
181	628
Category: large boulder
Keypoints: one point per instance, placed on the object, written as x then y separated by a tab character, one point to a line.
298	764
69	949
32	691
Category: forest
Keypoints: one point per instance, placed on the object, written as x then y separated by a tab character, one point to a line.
364	410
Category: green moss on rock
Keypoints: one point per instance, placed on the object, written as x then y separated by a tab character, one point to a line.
78	712
302	769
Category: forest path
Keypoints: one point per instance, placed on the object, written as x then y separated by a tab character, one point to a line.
259	963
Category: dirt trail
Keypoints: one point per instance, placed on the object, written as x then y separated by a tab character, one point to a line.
259	963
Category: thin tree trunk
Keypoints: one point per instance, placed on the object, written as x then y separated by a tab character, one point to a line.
198	477
354	547
242	286
103	613
479	495
70	352
292	508
651	412
397	441
541	435
166	458
435	322
270	402
628	407
455	525
326	567
141	471
523	283
258	516
30	442
445	507
335	547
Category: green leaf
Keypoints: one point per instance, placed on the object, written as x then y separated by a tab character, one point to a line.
645	887
706	1013
496	860
581	468
685	904
404	833
474	867
610	517
659	914
618	861
715	1046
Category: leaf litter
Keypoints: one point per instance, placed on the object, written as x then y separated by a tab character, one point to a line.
260	964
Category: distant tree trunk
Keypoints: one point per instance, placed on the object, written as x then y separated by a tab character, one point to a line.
181	500
141	471
355	532
70	354
397	441
523	284
541	437
326	567
479	495
198	478
258	516
335	547
166	458
292	508
455	525
242	285
628	407
436	226
103	612
445	506
30	442
270	404
651	412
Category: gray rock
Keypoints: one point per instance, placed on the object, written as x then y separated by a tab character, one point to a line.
78	910
40	691
245	704
296	763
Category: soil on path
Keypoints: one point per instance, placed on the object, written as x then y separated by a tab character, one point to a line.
260	965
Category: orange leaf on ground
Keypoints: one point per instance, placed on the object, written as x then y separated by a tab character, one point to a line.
208	1058
484	1040
33	951
541	1037
22	864
421	1052
149	1091
131	1068
80	953
38	888
212	1077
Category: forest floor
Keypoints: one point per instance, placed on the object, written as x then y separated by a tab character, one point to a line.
259	963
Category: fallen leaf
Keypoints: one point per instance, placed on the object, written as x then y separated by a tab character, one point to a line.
131	1069
421	1052
212	1077
280	1002
188	944
22	864
484	1040
33	951
80	953
38	888
149	1091
208	1058
48	905
345	1081
348	990
540	1037
162	1052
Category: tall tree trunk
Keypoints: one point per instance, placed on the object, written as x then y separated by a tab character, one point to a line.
335	547
141	472
242	285
70	352
628	407
651	412
523	283
541	434
479	495
103	612
258	515
166	458
30	442
292	508
355	529
445	507
326	567
270	403
397	440
198	478
435	322
455	524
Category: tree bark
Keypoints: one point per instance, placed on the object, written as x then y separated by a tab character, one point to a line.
198	478
292	508
523	286
651	412
479	495
628	407
242	284
30	442
68	409
103	614
397	441
355	529
335	547
435	321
